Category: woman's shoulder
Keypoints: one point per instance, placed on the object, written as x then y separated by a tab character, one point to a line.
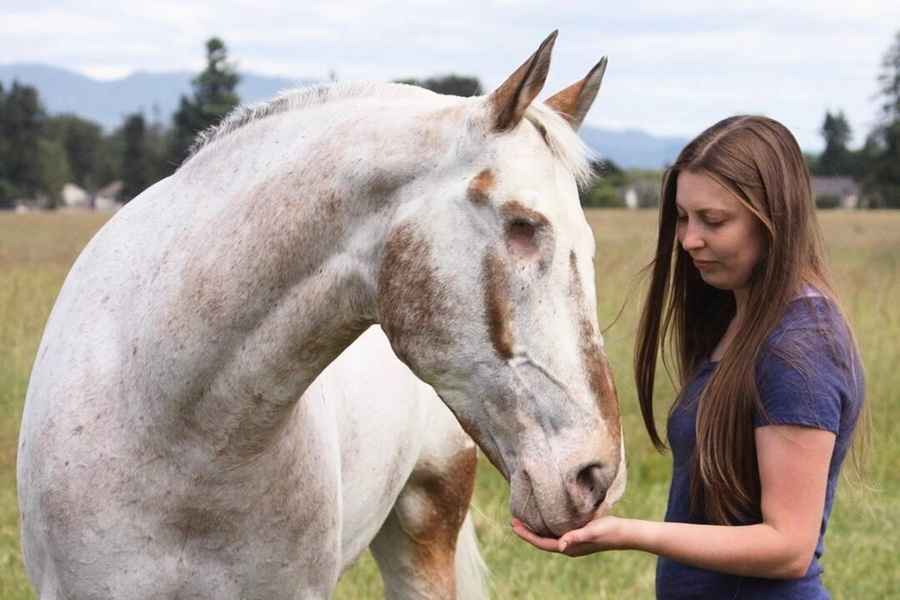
808	372
810	319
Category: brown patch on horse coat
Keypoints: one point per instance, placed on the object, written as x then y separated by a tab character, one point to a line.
498	308
446	491
596	365
528	233
211	529
516	210
479	188
412	306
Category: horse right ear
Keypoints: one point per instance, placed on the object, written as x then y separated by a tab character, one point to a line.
508	103
574	102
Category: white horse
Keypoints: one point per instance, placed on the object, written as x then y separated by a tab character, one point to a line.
175	446
406	487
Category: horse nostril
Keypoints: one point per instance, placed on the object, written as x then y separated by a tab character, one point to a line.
592	483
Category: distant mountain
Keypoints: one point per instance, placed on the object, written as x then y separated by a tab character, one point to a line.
633	148
157	94
107	102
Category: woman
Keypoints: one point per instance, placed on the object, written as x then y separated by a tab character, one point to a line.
771	384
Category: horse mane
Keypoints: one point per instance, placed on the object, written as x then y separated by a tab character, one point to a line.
296	99
562	140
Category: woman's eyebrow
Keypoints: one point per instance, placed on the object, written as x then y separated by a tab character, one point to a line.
704	212
713	212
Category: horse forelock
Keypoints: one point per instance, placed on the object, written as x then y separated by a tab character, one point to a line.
563	141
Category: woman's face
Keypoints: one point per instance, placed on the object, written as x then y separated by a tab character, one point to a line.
723	237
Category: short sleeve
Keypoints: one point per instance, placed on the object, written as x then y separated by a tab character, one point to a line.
800	383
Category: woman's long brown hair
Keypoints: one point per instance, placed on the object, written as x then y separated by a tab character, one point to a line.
759	161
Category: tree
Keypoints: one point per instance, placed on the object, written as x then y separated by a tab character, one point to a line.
109	157
137	165
54	172
836	159
7	189
454	85
82	141
21	122
889	81
883	181
213	97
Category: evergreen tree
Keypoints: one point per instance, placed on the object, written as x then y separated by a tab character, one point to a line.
836	159
883	183
136	162
82	140
157	137
54	172
213	97
454	85
889	81
21	122
109	158
7	189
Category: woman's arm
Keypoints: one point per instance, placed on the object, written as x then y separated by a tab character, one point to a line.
793	469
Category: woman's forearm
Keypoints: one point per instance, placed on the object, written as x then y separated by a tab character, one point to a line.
750	550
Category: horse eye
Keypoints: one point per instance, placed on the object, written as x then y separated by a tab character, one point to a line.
521	229
520	236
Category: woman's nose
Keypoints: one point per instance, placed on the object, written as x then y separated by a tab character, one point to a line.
690	240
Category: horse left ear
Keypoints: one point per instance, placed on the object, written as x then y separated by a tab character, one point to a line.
574	102
509	102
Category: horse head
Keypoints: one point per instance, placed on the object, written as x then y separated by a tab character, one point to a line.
486	290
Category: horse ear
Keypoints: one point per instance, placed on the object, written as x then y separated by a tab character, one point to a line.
574	102
509	101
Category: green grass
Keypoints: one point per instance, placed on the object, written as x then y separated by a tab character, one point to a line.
861	562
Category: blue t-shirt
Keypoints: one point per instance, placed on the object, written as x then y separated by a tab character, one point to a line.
808	375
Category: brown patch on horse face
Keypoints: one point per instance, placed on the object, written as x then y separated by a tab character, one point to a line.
516	210
498	308
413	309
479	188
596	365
447	492
527	232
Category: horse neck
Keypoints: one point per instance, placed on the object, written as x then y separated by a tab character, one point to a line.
284	280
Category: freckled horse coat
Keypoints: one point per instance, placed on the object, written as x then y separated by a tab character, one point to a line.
182	444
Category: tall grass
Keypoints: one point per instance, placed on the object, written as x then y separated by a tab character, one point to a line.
860	562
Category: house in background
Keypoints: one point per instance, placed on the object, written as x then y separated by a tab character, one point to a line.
631	197
73	196
835	192
109	197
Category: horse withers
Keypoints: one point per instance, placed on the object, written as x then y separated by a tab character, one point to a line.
167	449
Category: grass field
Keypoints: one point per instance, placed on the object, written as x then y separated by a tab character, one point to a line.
861	561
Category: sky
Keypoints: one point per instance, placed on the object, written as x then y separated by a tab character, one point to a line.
674	67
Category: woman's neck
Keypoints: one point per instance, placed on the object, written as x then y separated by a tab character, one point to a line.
740	302
741	297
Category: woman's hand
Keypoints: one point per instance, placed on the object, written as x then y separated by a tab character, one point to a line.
603	533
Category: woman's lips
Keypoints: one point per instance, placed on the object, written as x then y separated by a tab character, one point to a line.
703	264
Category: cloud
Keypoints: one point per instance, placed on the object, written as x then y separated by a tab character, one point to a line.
674	67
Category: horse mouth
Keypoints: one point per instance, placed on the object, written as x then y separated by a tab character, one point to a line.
529	512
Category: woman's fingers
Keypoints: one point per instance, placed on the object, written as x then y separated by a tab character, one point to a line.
576	536
595	536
